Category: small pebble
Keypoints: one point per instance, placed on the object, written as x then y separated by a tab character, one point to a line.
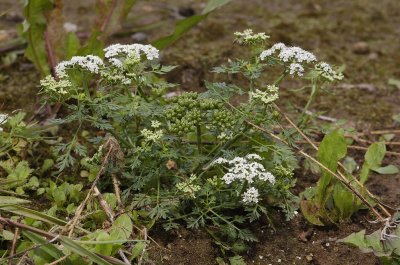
139	37
361	48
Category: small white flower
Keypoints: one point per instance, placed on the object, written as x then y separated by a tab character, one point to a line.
267	177
131	50
155	124
296	69
90	63
269	95
250	196
151	136
116	62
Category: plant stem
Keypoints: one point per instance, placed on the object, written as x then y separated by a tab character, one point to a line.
198	127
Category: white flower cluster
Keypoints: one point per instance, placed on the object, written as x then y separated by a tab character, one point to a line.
289	54
297	58
188	187
151	136
155	124
90	63
224	136
248	37
246	169
134	51
250	196
3	119
271	94
51	85
327	72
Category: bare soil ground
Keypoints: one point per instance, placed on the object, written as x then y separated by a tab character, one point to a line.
361	35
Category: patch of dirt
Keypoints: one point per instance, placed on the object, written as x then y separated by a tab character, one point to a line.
293	242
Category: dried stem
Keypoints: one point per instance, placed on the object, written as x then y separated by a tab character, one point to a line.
341	179
58	260
82	206
50	54
111	216
340	164
117	191
14	244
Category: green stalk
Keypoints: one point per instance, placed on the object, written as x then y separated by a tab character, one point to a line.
198	127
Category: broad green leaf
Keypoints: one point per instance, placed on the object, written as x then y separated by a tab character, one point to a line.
311	211
105	249
373	159
137	250
389	169
186	24
77	249
181	28
7	235
122	228
213	4
33	214
356	239
49	249
333	148
33	28
367	243
375	154
8	200
344	201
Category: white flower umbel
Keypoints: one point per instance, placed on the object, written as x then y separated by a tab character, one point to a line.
188	187
155	124
327	72
49	84
298	59
250	196
289	54
248	37
245	169
150	136
131	50
90	63
269	95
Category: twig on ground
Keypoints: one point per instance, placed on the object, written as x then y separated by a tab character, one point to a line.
382	206
341	179
117	191
58	260
14	244
112	146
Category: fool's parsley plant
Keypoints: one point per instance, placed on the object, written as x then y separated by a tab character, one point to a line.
193	159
